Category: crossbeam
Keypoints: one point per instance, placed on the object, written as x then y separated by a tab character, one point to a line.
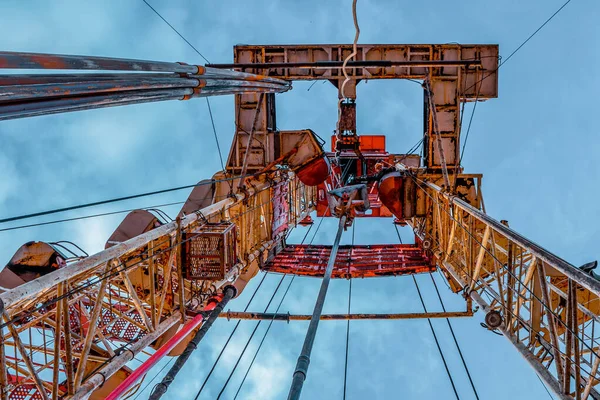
342	317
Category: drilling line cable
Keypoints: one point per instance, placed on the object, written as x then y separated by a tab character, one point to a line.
116	199
155	376
264	336
250	339
205	59
12	228
521	45
432	330
436	340
491	73
212	121
212	369
272	319
545	387
462	152
316	231
454	337
176	31
398	233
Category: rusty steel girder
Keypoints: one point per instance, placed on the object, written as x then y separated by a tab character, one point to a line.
352	261
456	73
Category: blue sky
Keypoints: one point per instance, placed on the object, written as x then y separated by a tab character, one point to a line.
536	145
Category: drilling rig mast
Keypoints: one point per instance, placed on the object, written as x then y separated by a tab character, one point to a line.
71	322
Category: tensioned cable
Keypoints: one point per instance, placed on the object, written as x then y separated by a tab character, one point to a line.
436	340
521	45
12	228
454	337
176	31
116	199
215	133
273	318
249	339
228	339
497	68
155	376
432	329
205	59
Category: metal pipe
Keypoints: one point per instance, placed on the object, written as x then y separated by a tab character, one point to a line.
140	371
99	377
16	60
336	317
350	64
68	104
304	359
541	253
92	86
162	387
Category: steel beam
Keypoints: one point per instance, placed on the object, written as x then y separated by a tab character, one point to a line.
349	64
337	317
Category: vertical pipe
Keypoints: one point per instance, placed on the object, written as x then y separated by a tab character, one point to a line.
162	387
304	359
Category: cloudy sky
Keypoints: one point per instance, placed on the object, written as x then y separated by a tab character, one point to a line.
536	145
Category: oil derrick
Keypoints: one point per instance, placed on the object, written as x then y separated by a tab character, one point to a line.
158	283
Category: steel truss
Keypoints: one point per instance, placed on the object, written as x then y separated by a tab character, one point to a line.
547	308
72	332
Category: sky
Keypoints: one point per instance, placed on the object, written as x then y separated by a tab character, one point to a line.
536	146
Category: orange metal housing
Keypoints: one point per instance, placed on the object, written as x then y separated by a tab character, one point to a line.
367	143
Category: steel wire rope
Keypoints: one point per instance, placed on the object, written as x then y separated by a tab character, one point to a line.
437	343
249	339
497	68
454	337
432	329
504	267
505	60
207	100
229	339
155	376
12	228
273	318
117	199
176	31
544	385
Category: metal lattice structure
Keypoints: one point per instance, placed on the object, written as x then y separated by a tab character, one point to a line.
70	331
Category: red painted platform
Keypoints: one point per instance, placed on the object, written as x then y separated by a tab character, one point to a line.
352	261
